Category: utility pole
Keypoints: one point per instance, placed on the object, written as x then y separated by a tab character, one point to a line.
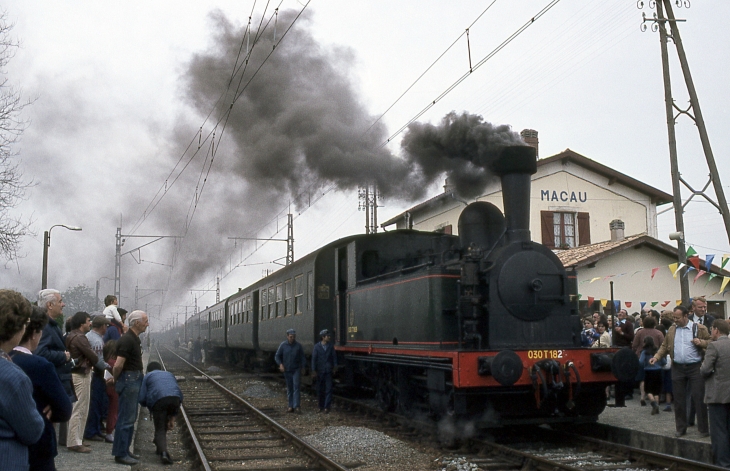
289	240
694	112
368	195
217	289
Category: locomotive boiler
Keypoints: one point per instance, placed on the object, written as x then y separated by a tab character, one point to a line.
483	326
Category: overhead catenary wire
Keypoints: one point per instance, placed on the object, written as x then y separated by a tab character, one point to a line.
458	81
429	67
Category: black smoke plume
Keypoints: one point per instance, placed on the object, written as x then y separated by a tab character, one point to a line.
299	126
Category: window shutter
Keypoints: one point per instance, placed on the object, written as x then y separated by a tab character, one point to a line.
546	222
584	229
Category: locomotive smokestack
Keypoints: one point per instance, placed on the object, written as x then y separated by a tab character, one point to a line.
515	165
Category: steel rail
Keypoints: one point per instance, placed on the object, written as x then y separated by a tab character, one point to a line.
196	442
312	452
652	457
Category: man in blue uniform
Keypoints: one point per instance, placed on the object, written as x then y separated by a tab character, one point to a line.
290	358
324	361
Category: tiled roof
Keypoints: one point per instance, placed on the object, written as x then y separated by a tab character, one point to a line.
587	254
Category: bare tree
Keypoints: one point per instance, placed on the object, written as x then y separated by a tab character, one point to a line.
12	184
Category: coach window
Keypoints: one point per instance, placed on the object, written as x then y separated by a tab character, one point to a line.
310	290
263	298
279	300
289	302
298	293
271	302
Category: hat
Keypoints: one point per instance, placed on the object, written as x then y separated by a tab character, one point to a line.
324	332
291	332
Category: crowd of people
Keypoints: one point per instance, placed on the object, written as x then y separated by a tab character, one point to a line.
684	363
88	380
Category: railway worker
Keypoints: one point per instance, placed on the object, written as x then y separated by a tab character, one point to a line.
716	370
291	361
685	343
162	396
324	362
127	373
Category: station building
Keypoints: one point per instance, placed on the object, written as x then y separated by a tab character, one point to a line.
599	221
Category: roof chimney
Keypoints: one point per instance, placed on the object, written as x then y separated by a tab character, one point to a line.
448	187
617	230
530	138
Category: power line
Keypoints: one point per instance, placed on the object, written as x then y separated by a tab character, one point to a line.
519	31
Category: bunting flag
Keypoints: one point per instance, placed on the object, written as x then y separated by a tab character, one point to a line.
691	252
695	261
604	302
591	300
708	261
699	274
616	305
724	283
679	301
653	272
654	303
681	265
664	304
595	279
643	303
580	296
712	275
628	303
673	268
725	258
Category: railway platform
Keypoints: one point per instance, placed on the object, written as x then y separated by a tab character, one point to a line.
101	452
634	426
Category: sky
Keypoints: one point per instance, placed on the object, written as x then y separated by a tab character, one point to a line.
136	122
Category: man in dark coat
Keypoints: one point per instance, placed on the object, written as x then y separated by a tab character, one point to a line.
324	361
53	348
716	370
623	336
291	360
49	395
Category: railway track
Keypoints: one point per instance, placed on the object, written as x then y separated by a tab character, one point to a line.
529	448
228	433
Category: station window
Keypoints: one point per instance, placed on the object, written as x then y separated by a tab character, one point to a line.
310	291
298	293
565	230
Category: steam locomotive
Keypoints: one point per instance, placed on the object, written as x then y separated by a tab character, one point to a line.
482	326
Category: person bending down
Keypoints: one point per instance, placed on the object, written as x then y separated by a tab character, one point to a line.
161	394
